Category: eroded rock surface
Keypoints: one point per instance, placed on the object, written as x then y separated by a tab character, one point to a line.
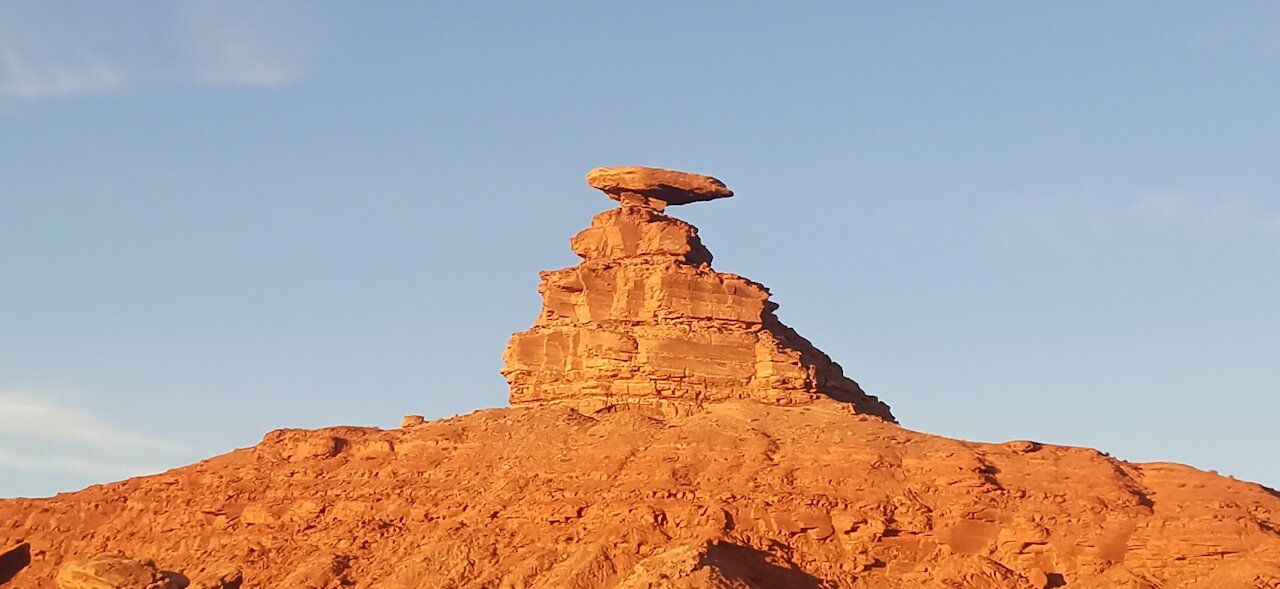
116	571
764	496
220	577
644	322
656	187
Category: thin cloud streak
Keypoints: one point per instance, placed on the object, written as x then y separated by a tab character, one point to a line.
1206	214
233	46
42	438
44	54
23	417
21	77
16	460
1063	215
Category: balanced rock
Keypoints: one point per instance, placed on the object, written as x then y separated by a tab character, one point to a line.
655	187
114	571
644	322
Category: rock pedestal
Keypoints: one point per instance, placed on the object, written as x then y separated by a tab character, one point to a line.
644	322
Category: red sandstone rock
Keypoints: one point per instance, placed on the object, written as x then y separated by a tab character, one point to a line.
770	497
644	322
641	186
222	577
114	571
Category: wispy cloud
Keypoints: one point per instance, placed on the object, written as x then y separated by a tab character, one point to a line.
47	51
15	460
21	77
1207	214
24	416
1066	214
231	45
39	435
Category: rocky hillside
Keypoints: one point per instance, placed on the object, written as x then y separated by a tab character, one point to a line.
666	431
740	494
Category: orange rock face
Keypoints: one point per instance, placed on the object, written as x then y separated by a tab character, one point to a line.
644	322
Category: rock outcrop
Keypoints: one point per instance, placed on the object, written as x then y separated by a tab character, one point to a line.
644	322
116	571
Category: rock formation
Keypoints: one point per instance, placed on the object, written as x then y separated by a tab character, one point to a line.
763	470
654	187
644	322
116	571
739	494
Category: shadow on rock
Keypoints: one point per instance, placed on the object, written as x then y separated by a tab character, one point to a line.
757	568
13	560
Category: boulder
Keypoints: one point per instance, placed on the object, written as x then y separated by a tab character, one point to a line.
639	185
115	571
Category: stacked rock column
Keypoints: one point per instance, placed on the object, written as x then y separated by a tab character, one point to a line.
644	322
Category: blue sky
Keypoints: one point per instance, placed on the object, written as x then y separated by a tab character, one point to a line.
1022	220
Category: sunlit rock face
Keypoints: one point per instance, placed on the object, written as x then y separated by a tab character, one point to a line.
645	322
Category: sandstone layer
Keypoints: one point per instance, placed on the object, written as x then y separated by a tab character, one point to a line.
741	494
645	322
666	187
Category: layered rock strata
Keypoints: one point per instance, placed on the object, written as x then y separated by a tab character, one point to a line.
655	187
645	322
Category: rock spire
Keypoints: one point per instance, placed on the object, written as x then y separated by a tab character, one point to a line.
644	322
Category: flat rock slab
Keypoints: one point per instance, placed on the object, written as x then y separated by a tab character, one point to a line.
668	186
115	571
